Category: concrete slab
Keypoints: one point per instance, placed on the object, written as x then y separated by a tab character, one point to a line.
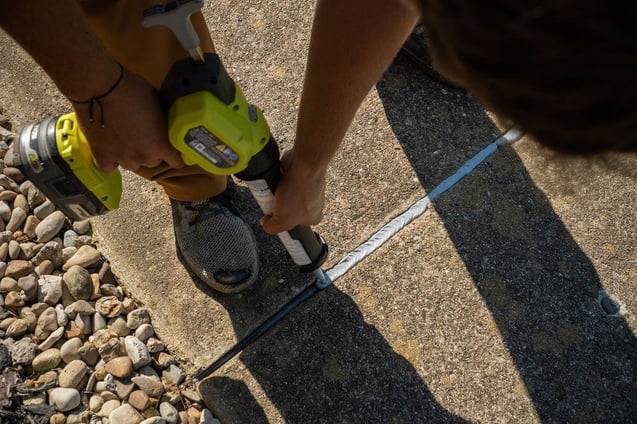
485	309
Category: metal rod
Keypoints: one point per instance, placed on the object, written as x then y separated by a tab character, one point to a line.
255	334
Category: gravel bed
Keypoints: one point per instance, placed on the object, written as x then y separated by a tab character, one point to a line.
75	347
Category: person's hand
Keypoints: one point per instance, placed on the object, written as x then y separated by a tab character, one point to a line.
135	132
298	199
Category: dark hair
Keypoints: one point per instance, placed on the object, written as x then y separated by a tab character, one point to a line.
564	71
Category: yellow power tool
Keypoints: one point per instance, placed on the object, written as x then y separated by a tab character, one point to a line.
209	122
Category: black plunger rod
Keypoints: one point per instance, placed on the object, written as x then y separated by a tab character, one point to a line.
255	334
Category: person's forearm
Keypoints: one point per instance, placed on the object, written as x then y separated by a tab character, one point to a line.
58	36
352	44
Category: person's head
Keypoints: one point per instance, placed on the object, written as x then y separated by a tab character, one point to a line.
564	71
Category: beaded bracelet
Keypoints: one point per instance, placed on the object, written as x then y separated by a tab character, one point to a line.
98	99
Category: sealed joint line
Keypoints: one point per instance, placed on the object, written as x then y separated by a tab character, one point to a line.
325	279
417	209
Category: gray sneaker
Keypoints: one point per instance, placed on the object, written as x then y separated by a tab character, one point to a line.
215	243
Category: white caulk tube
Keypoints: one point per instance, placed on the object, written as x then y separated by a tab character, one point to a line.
307	249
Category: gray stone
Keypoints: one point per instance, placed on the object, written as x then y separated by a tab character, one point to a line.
50	289
111	290
149	371
23	351
64	399
119	327
138	317
174	374
82	227
69	238
207	417
44	210
137	351
79	283
29	286
155	345
35	197
51	251
168	412
99	323
144	332
49	227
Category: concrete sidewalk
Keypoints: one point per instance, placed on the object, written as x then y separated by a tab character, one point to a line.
485	309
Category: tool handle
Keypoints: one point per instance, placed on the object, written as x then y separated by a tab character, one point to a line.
307	249
176	16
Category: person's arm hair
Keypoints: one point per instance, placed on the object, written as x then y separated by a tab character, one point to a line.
352	44
58	37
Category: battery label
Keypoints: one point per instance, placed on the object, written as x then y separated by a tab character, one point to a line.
210	147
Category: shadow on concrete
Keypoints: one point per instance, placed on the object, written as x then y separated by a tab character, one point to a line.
578	363
322	364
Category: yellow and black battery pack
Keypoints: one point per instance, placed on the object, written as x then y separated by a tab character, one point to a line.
56	158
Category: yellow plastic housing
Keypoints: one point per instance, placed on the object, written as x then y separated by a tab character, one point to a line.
219	138
74	149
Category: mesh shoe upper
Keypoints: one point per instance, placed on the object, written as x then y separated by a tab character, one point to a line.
216	243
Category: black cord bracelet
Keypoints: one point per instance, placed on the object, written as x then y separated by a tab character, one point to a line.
98	99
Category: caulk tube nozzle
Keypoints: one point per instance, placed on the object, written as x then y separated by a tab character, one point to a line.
307	249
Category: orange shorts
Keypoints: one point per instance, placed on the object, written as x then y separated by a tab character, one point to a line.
150	52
